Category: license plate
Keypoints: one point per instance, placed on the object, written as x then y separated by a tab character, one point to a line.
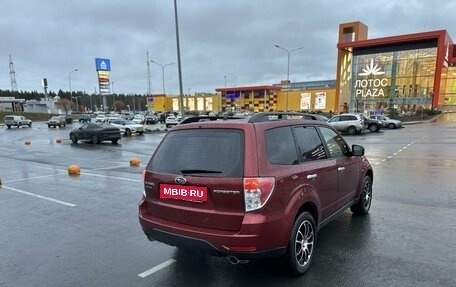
184	192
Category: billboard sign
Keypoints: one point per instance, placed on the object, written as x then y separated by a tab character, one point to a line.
103	64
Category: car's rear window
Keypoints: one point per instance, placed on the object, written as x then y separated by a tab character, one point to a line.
208	152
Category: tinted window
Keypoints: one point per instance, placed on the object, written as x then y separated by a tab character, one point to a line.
210	152
309	143
281	147
334	142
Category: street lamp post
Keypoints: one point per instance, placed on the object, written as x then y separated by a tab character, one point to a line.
69	83
289	51
163	72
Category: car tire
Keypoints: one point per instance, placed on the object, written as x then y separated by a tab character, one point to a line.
365	198
114	141
128	132
95	139
351	130
301	246
391	126
49	126
373	128
140	133
8	126
73	138
30	125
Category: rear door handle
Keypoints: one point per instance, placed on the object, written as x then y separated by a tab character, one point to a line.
341	168
311	176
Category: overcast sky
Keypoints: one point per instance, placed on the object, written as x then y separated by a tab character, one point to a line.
220	40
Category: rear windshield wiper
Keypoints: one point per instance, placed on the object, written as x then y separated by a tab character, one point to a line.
187	171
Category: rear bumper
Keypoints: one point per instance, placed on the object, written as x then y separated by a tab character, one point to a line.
258	236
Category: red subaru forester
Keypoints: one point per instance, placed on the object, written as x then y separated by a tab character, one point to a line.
252	188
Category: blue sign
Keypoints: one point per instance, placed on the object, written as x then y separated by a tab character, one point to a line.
233	94
103	64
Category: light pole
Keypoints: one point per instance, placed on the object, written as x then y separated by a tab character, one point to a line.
69	83
289	51
163	72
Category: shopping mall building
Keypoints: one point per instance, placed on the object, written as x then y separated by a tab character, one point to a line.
401	73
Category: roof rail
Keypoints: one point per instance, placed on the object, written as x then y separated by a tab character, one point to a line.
207	118
277	116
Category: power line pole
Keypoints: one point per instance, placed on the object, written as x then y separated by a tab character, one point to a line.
12	74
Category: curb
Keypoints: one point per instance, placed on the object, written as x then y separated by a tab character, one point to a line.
422	122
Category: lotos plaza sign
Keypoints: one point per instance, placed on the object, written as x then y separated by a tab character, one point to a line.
372	87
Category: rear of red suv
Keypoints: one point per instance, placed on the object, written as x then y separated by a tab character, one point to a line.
200	188
239	189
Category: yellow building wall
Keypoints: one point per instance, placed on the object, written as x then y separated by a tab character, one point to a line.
191	103
203	103
294	99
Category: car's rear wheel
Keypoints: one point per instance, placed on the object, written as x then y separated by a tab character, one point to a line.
95	139
391	126
73	138
365	199
128	132
351	130
301	246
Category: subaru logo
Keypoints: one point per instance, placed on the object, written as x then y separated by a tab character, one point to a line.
180	180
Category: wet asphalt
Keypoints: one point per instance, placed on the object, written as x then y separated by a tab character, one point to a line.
61	230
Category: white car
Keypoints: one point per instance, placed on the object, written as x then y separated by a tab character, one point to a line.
139	119
171	120
128	127
100	119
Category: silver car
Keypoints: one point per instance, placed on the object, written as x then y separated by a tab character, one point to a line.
348	123
387	122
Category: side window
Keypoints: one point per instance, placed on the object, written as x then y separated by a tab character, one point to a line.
309	143
335	143
335	119
280	146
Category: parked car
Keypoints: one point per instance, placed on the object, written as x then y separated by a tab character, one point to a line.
68	119
151	120
95	133
56	121
85	118
348	123
112	117
139	119
171	120
249	188
387	122
18	121
128	127
373	125
100	119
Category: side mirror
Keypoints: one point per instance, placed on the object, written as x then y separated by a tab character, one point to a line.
357	150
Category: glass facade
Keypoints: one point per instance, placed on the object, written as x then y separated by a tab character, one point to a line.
448	84
397	78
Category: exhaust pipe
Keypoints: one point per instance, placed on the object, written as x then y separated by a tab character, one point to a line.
234	260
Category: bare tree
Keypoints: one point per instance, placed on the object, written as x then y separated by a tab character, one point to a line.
63	104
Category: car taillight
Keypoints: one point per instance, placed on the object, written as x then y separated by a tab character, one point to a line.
257	191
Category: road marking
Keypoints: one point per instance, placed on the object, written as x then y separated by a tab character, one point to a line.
40	196
157	268
28	178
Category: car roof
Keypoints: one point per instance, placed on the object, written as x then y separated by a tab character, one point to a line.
265	119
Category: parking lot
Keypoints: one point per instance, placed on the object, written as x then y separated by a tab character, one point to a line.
61	230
